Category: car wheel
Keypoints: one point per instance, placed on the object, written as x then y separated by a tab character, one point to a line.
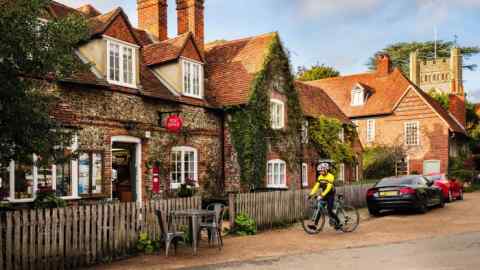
423	208
450	196
460	195
374	212
442	201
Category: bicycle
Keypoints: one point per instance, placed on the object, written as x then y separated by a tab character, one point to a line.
314	220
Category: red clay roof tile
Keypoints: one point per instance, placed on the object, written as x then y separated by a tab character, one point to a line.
166	50
385	93
232	66
315	103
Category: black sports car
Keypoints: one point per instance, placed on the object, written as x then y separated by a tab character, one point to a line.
404	192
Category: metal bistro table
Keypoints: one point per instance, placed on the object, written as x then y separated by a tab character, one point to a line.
195	216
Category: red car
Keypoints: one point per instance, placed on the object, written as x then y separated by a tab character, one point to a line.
451	188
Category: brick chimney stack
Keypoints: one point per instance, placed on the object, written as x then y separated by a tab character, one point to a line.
191	18
152	17
457	108
383	64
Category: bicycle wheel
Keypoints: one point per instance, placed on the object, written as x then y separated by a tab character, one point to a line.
349	218
314	221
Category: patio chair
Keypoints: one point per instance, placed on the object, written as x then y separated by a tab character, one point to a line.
214	226
169	234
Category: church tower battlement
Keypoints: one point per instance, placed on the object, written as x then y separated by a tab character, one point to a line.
440	74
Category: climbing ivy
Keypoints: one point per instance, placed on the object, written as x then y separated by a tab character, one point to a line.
250	124
324	137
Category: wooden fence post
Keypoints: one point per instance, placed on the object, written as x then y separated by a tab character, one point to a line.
231	210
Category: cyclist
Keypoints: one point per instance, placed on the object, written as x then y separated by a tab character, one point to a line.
325	181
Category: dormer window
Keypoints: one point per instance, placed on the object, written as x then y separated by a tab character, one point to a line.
121	63
192	79
357	97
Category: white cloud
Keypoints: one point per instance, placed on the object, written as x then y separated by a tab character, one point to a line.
315	8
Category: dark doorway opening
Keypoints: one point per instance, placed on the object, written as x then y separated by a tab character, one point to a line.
123	172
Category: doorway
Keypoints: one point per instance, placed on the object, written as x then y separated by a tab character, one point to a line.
126	176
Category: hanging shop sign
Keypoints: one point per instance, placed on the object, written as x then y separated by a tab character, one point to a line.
174	123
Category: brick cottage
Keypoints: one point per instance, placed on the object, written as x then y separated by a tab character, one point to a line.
140	79
389	109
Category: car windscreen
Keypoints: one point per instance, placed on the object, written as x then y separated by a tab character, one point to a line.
434	177
396	181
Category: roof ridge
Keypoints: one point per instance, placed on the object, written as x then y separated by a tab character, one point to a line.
227	42
166	41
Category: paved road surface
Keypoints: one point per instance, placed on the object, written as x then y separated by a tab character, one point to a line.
443	253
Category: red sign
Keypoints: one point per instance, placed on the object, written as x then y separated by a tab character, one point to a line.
155	180
174	123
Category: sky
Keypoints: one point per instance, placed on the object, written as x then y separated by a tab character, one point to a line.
338	33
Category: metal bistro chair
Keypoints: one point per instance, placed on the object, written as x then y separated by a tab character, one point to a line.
169	233
214	226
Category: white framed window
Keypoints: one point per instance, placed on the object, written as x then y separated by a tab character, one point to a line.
192	78
20	182
305	174
341	135
183	166
370	130
121	63
412	133
341	172
357	97
276	174
305	132
277	114
90	173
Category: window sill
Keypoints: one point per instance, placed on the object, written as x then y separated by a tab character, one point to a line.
278	187
132	86
192	96
21	200
177	186
93	196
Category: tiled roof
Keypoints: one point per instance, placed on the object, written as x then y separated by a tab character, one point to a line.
315	103
446	115
385	91
232	66
89	11
60	10
98	25
166	50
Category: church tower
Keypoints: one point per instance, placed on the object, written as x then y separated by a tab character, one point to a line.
440	74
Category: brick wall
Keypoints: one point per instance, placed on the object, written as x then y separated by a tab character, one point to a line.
390	129
103	114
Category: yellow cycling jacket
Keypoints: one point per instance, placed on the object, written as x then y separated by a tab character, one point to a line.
325	181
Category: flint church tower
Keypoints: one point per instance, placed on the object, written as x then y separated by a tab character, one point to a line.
440	74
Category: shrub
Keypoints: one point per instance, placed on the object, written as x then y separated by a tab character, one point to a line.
245	225
48	199
380	161
144	244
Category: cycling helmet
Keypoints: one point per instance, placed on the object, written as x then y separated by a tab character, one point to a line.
323	167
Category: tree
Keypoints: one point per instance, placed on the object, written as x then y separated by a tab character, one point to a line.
400	53
316	72
34	55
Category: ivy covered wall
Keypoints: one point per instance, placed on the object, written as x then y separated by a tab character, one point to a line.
249	128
